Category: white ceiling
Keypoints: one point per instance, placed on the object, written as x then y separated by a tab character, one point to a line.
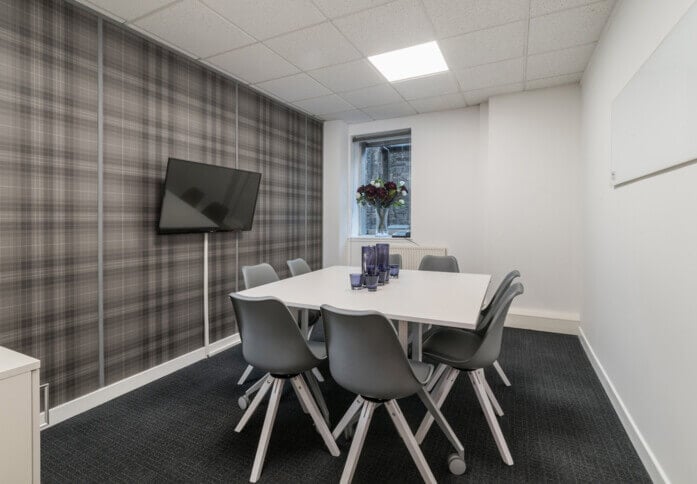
312	53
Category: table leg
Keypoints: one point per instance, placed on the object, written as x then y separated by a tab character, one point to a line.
305	321
417	344
403	331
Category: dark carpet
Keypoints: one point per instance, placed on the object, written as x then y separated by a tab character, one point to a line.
559	424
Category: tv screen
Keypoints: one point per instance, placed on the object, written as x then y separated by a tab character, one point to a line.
206	198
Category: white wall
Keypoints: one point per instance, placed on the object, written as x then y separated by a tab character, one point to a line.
640	258
532	202
467	164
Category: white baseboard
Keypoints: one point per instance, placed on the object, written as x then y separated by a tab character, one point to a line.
653	467
91	400
543	321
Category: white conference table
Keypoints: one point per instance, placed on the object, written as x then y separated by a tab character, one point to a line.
438	298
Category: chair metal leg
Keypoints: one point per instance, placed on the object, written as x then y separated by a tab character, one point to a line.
367	410
403	428
503	376
257	385
267	383
318	374
439	395
302	391
317	394
440	369
271	411
348	416
245	374
492	397
476	379
442	423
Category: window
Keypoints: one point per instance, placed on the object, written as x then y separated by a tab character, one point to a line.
385	156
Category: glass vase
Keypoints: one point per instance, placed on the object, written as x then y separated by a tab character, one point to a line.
381	230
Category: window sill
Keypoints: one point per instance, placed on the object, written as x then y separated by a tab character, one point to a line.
373	237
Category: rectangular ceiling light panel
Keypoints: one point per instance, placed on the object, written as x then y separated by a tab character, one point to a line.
416	61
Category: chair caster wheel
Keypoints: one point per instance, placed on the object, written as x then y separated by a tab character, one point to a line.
243	402
456	464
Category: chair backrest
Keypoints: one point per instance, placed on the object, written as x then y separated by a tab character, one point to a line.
489	350
258	275
488	311
298	267
365	356
396	259
271	338
439	263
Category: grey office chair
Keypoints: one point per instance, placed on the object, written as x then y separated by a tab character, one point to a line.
489	310
396	259
471	351
254	276
272	341
365	357
439	263
298	267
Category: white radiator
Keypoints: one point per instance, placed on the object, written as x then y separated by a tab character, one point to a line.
412	254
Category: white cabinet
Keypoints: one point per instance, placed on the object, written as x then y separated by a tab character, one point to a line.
20	458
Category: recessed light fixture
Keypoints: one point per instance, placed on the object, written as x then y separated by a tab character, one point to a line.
416	61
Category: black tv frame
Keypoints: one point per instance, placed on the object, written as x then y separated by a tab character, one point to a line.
200	230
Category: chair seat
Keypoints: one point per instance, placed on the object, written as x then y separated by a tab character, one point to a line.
422	371
318	348
454	347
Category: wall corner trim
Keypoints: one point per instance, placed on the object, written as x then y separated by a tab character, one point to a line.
104	394
648	458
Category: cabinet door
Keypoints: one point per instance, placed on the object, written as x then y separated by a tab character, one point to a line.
16	423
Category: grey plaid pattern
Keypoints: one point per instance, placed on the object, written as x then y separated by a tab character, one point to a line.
48	191
157	104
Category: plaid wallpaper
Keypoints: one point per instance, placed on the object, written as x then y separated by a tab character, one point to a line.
48	191
156	104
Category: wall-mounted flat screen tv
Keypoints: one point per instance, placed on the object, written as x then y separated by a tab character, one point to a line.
206	198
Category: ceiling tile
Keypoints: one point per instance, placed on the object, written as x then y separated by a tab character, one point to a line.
294	88
439	103
429	86
452	17
559	62
388	27
568	28
372	96
486	46
349	76
267	18
314	47
490	75
253	63
543	7
554	81
195	28
387	111
353	116
128	9
324	104
480	95
337	8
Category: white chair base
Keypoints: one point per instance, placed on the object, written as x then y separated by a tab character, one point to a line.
364	409
487	401
307	402
502	375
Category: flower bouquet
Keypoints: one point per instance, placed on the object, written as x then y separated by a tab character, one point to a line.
382	195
